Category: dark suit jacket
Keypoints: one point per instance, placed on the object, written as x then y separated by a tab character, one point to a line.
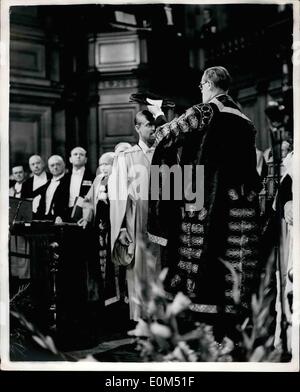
27	187
59	203
86	183
64	193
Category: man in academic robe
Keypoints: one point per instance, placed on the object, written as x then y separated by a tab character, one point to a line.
128	189
213	244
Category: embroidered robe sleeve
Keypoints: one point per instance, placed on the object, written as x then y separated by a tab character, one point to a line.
197	117
168	140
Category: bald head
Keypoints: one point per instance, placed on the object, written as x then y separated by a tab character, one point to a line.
56	165
78	149
78	157
36	165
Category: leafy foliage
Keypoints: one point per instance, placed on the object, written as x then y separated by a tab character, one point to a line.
159	338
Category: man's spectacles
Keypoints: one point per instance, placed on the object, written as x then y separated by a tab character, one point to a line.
202	84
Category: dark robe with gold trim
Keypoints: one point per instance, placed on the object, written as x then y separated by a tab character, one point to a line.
220	137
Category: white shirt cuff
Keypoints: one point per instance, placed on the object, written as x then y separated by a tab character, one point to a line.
161	113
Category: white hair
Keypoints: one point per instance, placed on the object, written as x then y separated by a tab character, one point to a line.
57	157
123	145
107	155
35	156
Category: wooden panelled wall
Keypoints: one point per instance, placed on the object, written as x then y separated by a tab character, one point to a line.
253	101
42	118
116	57
36	118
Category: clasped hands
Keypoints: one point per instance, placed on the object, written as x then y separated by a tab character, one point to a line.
124	238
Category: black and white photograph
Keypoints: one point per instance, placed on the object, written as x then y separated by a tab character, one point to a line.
149	185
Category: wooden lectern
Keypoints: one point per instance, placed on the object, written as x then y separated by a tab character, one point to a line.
66	286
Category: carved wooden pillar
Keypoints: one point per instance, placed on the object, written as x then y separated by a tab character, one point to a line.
114	59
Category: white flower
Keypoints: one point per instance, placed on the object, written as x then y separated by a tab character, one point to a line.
177	353
152	308
180	303
157	290
163	274
160	330
192	356
227	346
182	353
141	329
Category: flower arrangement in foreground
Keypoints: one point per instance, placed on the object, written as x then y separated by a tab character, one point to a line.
159	337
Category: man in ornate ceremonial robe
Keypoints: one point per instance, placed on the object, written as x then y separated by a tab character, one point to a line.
128	193
219	136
